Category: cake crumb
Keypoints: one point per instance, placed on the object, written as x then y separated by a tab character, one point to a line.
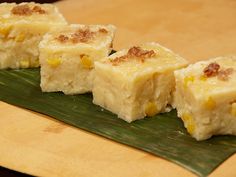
38	9
82	35
211	70
103	30
140	53
136	53
224	74
21	10
26	10
62	38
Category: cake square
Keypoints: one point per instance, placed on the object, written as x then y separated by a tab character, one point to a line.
136	82
21	29
67	56
205	97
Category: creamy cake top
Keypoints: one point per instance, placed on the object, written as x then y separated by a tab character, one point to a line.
213	77
11	12
145	58
76	35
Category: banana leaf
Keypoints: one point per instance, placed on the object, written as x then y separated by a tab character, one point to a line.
163	135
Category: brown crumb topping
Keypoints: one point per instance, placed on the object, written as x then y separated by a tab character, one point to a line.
103	30
21	10
38	9
140	53
62	38
213	69
81	35
224	74
26	10
136	53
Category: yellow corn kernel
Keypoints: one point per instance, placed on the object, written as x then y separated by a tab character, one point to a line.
191	128
210	103
188	120
25	63
203	78
233	109
5	31
151	109
86	61
187	80
20	37
186	117
54	62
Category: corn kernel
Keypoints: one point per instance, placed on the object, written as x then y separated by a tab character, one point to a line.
187	80
191	128
20	37
86	62
233	109
210	103
54	62
151	109
203	78
5	31
25	63
188	119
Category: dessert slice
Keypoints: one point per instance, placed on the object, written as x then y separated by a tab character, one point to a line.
205	97
21	29
136	82
67	56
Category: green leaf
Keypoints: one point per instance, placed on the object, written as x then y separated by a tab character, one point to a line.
162	135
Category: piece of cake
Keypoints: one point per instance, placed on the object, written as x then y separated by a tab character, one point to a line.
136	82
67	56
205	97
21	29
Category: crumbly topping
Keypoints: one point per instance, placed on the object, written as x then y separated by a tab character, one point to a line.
135	53
62	38
21	10
38	9
224	74
140	53
81	35
213	69
103	30
26	10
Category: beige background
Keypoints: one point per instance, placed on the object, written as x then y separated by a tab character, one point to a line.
36	144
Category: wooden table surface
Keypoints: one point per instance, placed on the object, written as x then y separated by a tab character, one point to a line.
39	145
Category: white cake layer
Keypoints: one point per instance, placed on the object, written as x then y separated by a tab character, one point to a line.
205	103
68	66
21	33
134	87
52	14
